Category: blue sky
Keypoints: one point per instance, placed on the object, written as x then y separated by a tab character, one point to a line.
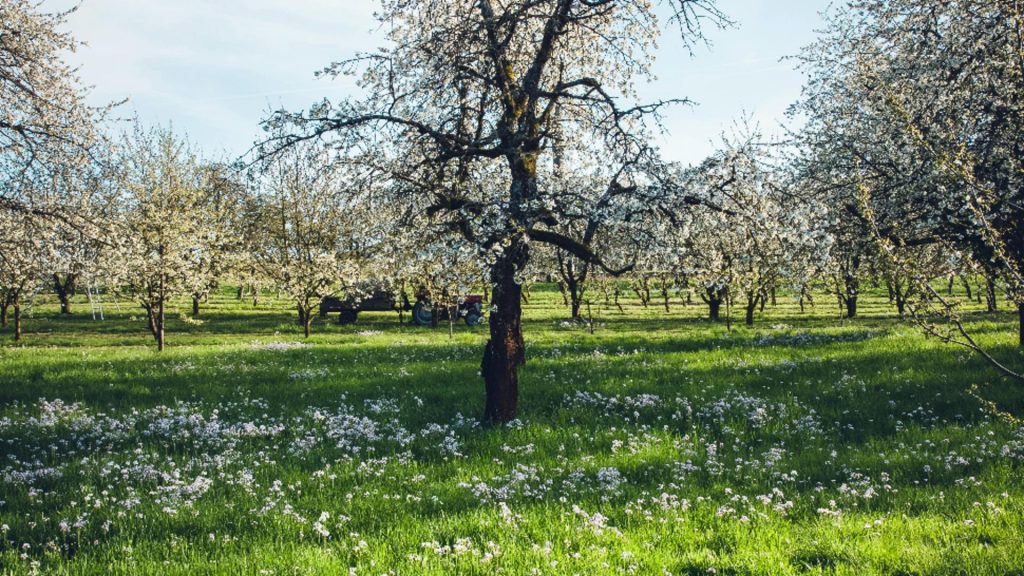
213	68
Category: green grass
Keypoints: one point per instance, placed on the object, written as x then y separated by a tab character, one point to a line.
659	444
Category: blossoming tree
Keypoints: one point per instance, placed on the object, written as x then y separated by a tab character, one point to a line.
162	194
916	108
472	92
312	237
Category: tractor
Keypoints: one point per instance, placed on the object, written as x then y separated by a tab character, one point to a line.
471	310
348	308
378	299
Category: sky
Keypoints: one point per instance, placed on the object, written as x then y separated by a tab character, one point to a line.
213	68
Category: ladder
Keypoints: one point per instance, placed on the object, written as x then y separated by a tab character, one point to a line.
95	301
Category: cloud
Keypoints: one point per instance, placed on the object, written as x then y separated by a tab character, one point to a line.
215	67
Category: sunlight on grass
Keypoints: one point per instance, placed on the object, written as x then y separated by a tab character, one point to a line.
659	444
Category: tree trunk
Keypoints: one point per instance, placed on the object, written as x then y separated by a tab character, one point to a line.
714	300
65	289
195	306
240	293
1020	323
575	298
505	350
752	301
805	295
4	307
302	315
17	321
160	321
643	291
991	298
852	285
572	283
851	306
967	287
714	309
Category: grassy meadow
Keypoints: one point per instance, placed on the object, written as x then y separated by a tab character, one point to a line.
659	444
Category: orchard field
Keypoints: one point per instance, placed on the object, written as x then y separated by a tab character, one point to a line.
661	443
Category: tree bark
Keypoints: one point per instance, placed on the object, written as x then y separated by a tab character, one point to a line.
643	290
160	320
752	302
305	317
851	287
155	322
991	298
805	295
714	300
505	350
4	307
17	321
65	289
573	283
1020	323
851	306
967	287
575	299
195	306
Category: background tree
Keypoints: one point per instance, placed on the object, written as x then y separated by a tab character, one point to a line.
45	123
25	258
922	105
77	241
601	201
243	261
209	264
748	230
163	193
313	234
